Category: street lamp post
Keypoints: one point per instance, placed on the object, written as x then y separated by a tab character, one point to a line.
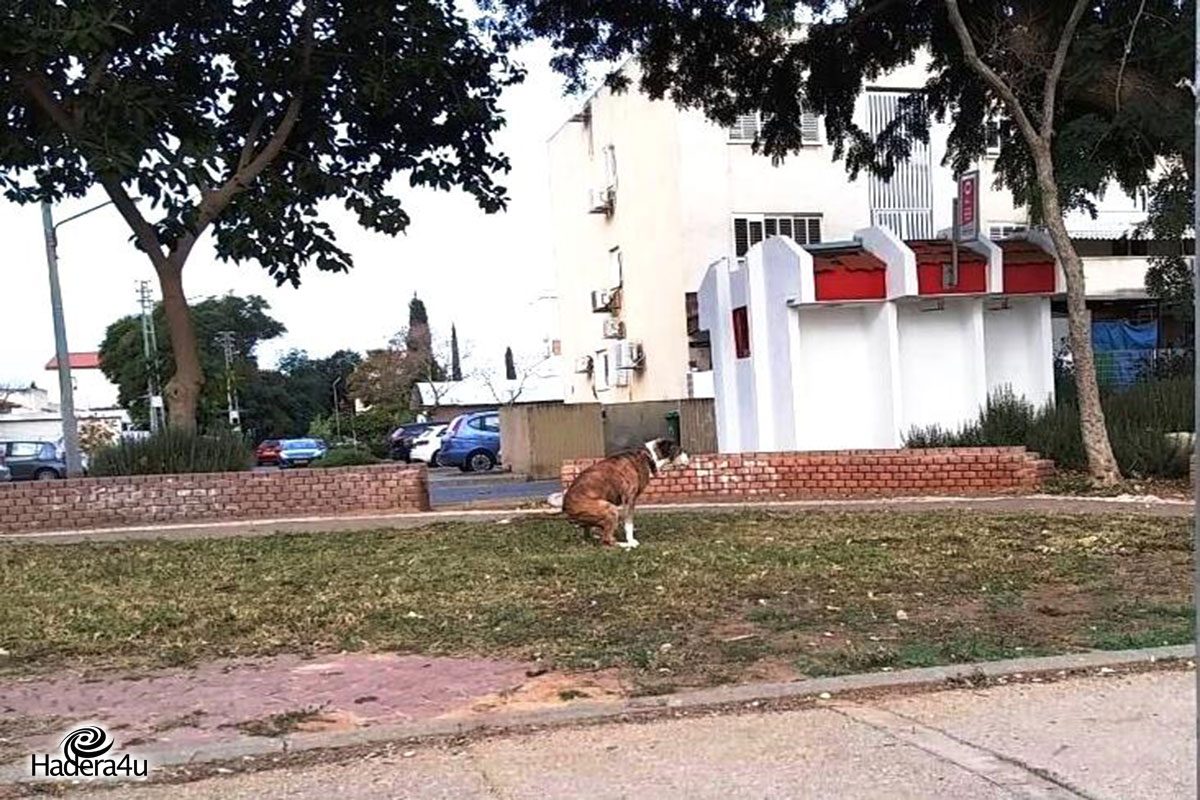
61	354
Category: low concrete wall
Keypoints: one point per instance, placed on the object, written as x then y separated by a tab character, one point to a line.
843	474
537	437
83	503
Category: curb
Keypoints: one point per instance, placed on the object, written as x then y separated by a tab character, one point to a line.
709	700
318	524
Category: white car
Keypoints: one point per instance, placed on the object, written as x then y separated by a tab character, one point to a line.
426	446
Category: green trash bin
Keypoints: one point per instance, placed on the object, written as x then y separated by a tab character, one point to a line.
673	426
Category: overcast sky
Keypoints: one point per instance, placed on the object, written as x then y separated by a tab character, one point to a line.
477	270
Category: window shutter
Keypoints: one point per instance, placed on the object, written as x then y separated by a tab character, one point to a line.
770	226
756	233
741	236
814	230
810	130
745	128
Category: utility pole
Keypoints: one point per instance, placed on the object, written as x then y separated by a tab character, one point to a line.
150	354
337	415
235	416
62	355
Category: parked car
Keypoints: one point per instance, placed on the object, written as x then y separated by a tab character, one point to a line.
267	452
300	452
472	442
33	461
5	473
401	441
427	445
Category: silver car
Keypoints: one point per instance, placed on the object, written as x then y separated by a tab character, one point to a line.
5	473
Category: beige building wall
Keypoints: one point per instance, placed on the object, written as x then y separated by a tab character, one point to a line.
679	182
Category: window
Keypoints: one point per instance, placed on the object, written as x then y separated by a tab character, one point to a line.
992	138
750	230
699	345
904	202
741	332
48	452
616	269
600	371
476	423
23	449
748	127
1005	230
491	423
610	166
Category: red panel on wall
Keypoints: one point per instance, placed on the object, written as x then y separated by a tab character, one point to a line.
849	274
972	279
741	332
851	285
932	256
1028	269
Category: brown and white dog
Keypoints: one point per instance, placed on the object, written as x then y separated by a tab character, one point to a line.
605	494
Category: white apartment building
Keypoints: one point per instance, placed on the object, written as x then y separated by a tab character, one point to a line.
646	196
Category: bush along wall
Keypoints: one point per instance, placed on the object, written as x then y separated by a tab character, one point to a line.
1140	418
174	452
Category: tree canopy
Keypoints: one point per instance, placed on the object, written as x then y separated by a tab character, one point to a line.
239	118
1123	103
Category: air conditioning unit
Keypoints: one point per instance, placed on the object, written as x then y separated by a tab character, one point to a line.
606	300
583	365
620	378
629	355
614	329
601	201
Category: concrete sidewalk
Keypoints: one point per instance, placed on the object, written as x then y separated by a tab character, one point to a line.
1112	736
264	527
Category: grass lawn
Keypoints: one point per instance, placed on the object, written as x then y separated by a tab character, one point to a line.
706	599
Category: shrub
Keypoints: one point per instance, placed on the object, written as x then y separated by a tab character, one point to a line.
346	457
1139	420
173	451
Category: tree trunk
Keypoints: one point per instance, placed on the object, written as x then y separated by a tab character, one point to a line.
1101	463
183	389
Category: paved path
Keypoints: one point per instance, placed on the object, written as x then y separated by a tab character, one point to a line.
451	492
1118	737
239	701
998	505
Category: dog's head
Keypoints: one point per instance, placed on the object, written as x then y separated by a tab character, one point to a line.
666	453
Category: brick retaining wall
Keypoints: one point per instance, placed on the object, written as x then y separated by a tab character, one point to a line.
83	503
844	474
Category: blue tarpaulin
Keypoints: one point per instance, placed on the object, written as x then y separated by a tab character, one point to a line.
1123	349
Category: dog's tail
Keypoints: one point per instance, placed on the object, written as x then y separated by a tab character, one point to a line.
555	500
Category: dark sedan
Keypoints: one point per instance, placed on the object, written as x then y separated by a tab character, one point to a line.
401	441
33	461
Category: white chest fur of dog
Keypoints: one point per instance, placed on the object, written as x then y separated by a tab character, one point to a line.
604	495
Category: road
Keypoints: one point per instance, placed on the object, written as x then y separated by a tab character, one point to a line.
1118	736
453	488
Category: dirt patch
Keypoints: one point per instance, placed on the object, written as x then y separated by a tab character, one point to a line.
550	689
280	724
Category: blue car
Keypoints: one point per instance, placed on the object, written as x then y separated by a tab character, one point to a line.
472	442
299	452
